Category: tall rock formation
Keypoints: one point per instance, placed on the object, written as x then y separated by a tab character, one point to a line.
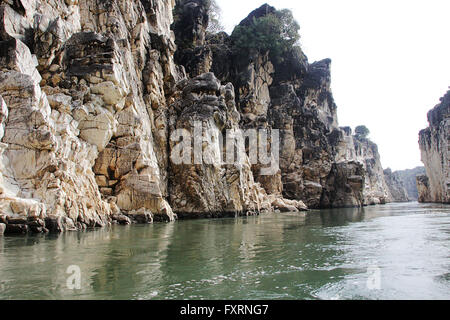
93	94
423	189
435	148
90	94
396	186
358	149
409	180
84	87
321	164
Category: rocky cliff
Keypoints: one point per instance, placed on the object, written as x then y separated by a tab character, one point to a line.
84	87
396	186
409	180
97	96
359	149
435	149
321	164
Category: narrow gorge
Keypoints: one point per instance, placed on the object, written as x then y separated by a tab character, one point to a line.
91	92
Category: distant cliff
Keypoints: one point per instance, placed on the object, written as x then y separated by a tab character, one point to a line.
409	180
435	149
355	149
96	97
396	186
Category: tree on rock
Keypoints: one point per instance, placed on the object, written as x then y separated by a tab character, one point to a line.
269	30
362	131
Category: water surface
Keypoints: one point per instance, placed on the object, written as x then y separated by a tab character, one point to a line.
397	251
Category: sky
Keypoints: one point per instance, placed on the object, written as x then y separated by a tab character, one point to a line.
390	62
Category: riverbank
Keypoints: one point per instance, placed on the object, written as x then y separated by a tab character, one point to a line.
35	225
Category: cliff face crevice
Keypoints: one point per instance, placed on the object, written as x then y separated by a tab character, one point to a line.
409	180
435	150
396	186
93	94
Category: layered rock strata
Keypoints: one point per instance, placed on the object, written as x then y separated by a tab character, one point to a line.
409	180
93	95
320	163
396	186
435	149
357	149
83	86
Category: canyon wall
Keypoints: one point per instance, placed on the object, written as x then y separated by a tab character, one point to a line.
84	86
435	150
92	93
409	179
321	164
396	186
359	149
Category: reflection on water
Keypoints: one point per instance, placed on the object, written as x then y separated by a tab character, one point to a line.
331	218
323	255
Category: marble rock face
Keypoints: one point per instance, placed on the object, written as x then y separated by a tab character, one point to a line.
81	92
396	186
435	150
91	93
321	164
88	96
409	179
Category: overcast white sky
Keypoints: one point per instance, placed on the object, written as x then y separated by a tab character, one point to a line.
391	62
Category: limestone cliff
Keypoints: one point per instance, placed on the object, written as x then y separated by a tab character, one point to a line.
93	94
423	189
359	149
435	149
321	164
396	186
90	94
409	179
84	87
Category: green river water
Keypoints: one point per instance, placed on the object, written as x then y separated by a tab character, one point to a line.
396	251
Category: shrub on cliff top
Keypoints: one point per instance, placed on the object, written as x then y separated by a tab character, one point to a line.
362	131
276	32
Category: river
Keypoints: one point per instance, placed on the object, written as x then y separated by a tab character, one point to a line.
395	251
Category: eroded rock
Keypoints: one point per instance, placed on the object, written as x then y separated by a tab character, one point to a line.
396	186
435	150
91	92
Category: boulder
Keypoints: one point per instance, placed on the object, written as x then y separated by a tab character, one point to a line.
16	229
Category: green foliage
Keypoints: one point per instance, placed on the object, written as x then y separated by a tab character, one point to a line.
276	33
362	131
